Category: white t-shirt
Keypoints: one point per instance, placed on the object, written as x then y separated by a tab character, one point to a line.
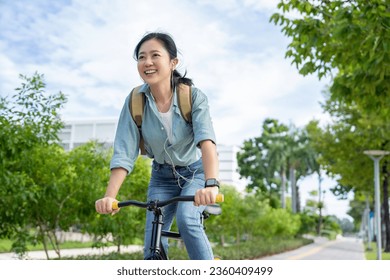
166	119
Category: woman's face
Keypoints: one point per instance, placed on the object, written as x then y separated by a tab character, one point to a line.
154	63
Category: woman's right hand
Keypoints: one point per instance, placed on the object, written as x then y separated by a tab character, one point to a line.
104	206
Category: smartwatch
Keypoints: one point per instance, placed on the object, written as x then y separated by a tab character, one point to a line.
211	183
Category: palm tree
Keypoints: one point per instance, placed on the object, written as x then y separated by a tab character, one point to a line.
265	160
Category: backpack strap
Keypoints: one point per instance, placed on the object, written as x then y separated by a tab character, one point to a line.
184	96
136	107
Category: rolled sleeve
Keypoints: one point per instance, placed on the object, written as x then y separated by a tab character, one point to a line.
201	119
126	143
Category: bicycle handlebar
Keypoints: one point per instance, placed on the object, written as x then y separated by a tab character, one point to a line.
155	204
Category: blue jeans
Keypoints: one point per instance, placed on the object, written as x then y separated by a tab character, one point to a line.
167	182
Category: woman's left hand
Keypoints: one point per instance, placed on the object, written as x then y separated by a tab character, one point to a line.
206	196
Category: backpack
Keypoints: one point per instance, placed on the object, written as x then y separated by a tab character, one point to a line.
137	104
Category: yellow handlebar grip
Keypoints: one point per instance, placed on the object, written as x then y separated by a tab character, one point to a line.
115	205
219	198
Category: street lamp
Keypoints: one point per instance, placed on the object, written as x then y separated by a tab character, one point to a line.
376	156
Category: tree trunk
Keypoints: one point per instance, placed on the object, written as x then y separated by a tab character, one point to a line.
51	235
386	218
283	189
44	241
293	190
223	240
320	204
298	198
45	247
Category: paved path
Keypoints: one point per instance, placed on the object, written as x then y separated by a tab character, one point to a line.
41	255
343	248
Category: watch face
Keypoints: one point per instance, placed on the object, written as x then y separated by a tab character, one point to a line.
211	182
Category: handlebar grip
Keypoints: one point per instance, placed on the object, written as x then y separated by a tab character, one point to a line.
220	198
115	205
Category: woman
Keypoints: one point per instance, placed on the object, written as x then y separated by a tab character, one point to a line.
184	155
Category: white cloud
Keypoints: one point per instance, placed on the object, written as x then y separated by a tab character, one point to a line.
9	73
238	7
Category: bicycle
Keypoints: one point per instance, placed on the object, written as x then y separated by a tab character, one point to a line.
157	250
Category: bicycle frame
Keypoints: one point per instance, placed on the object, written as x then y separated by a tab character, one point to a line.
157	249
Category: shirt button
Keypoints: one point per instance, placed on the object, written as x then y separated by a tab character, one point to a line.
162	128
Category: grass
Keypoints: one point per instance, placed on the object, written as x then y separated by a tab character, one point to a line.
6	245
372	254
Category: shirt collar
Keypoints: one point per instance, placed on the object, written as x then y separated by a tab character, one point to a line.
146	90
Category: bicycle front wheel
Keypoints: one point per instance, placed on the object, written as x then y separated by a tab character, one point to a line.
156	256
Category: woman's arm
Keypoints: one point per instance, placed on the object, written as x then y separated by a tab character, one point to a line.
210	159
211	170
104	205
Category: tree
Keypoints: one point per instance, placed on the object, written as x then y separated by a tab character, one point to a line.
29	122
50	176
127	226
278	153
302	161
341	145
266	167
266	159
349	40
313	205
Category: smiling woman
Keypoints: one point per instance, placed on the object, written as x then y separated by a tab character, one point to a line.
185	160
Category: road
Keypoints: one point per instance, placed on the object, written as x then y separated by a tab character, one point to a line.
343	248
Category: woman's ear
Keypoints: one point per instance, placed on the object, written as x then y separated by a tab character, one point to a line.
175	61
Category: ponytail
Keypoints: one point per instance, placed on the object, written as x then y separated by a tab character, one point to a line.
177	79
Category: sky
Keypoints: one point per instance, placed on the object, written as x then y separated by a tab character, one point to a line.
229	48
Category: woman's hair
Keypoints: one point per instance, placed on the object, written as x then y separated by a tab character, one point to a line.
170	46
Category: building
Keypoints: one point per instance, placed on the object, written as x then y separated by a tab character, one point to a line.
80	131
228	167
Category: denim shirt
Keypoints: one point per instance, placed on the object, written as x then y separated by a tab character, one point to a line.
186	137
